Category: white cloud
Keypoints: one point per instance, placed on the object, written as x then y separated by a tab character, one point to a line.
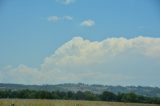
58	18
20	74
88	23
80	51
68	18
66	2
110	61
53	18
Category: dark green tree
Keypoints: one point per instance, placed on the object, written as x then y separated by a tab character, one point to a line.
108	96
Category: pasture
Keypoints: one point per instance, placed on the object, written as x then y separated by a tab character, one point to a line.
38	102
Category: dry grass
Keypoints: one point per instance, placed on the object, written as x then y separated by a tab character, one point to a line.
37	102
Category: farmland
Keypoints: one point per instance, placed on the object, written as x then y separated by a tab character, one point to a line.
40	102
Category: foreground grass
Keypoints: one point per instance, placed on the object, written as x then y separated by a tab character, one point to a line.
38	102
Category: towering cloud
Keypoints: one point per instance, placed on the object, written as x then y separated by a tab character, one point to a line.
111	61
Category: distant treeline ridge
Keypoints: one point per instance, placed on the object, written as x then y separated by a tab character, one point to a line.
87	95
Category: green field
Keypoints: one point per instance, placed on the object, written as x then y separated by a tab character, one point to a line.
37	102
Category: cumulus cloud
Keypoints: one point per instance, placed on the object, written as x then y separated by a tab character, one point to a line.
58	18
66	2
88	23
20	74
110	61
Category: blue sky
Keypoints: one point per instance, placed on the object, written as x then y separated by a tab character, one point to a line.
31	30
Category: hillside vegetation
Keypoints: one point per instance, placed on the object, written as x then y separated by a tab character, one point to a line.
87	95
97	89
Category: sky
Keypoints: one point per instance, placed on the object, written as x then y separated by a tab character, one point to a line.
111	42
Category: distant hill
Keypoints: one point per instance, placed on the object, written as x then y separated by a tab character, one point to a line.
146	91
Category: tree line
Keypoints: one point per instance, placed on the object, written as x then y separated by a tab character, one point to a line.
87	95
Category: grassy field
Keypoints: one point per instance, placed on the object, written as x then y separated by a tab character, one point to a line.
37	102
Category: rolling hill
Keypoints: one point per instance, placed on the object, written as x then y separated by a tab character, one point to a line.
146	91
